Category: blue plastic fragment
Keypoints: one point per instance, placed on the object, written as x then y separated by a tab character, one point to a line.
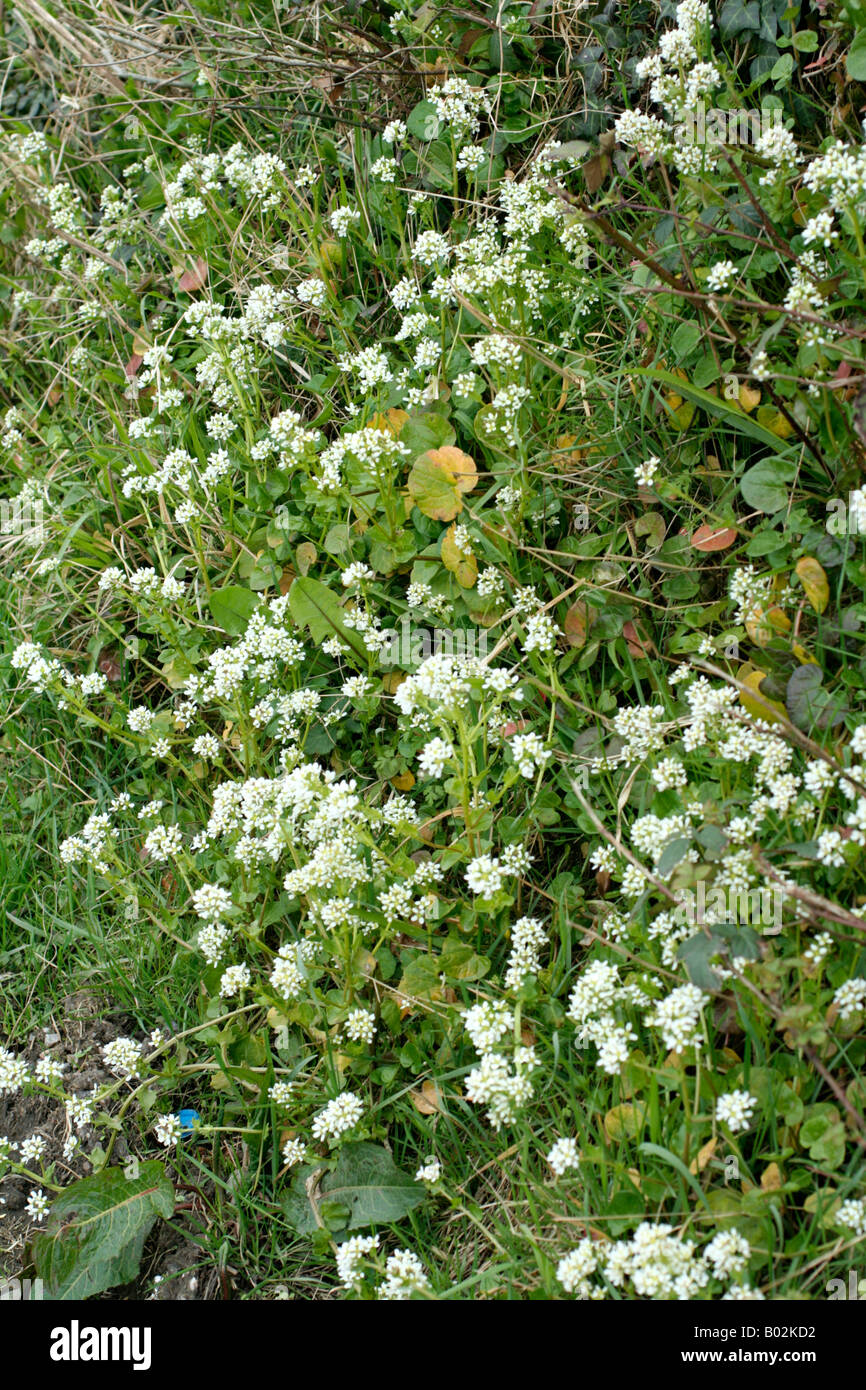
188	1121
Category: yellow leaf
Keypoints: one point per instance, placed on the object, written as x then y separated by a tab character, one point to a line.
814	581
704	1154
774	421
305	557
391	422
758	705
463	567
404	781
682	412
331	255
428	1100
748	398
763	624
771	1178
624	1121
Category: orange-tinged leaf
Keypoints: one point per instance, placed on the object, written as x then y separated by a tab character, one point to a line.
710	538
305	556
815	583
637	642
437	480
624	1121
578	621
461	465
194	277
391	422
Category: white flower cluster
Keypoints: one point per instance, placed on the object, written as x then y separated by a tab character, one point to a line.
500	1082
657	1264
595	1006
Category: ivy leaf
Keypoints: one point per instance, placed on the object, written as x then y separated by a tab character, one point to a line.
97	1228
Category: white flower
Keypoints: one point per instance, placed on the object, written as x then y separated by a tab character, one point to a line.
235	979
721	275
349	1256
735	1110
167	1129
853	1214
541	633
728	1253
37	1204
574	1269
563	1156
123	1057
404	1276
850	998
294	1152
645	472
338	1116
361	1026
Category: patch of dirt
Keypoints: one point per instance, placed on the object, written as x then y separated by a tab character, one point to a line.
173	1267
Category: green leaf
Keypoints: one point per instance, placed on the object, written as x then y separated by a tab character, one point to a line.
671	855
96	1230
461	961
685	339
765	486
366	1183
316	607
856	59
806	41
737	15
423	121
808	705
717	406
426	431
667	1157
232	608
